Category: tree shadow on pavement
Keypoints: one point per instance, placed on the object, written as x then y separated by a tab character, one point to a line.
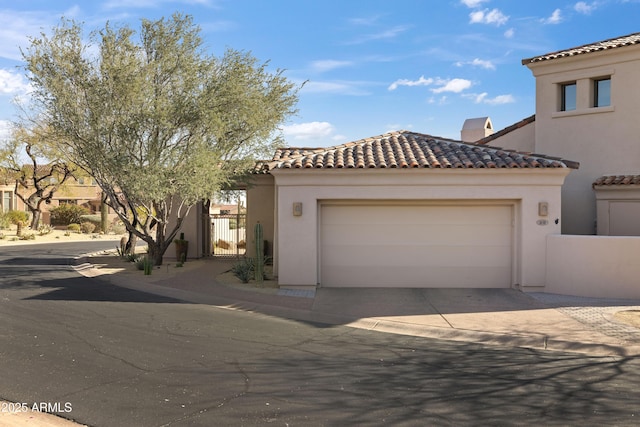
88	289
431	382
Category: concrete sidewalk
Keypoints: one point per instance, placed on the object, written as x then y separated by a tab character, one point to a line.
488	316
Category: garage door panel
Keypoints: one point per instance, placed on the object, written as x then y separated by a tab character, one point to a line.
419	276
420	245
431	234
409	255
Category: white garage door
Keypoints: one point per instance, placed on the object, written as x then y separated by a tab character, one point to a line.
382	245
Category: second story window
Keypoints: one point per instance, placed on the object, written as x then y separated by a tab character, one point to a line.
568	96
602	92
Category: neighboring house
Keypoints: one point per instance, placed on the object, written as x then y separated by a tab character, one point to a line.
587	105
8	199
410	210
80	191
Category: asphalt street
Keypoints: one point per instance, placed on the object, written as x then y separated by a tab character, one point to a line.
108	356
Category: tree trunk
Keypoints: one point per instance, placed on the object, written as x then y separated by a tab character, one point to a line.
104	217
156	253
35	220
19	229
130	246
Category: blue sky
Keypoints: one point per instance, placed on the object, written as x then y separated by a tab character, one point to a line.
371	66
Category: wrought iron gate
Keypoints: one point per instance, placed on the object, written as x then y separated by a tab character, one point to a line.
228	235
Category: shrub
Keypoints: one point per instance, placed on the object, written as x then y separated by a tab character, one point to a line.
146	264
44	229
74	227
18	218
93	219
4	221
118	227
243	270
28	236
67	214
87	227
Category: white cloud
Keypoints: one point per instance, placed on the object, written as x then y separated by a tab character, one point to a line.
472	3
585	8
309	130
555	18
445	85
404	82
509	33
481	98
477	62
387	34
452	85
335	87
368	21
13	83
487	16
328	65
500	99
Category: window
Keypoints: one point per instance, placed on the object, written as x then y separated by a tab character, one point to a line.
7	198
602	92
568	96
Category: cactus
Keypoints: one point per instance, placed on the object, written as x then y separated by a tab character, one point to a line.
259	261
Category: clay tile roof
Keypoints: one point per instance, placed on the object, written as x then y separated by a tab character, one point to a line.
614	43
404	149
611	180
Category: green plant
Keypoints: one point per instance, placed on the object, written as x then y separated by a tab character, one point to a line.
243	270
87	227
28	236
93	219
19	219
146	264
182	248
4	221
132	258
259	259
2	236
44	229
67	214
74	227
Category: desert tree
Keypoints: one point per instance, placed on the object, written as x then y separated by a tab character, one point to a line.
29	159
160	124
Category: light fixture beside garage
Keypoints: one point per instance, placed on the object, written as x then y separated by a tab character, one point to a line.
297	209
543	209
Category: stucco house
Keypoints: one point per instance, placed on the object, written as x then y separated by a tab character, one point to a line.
78	191
410	210
587	104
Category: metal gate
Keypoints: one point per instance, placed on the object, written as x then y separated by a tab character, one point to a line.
228	235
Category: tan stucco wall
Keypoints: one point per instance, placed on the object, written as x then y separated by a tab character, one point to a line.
593	266
298	244
521	139
618	210
260	208
604	140
192	227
